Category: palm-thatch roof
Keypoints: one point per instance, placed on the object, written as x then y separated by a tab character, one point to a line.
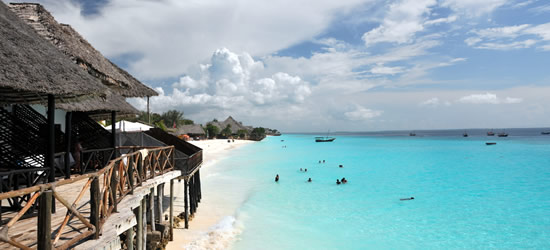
65	38
97	104
31	68
235	125
194	129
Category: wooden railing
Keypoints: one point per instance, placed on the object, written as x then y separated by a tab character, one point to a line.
107	187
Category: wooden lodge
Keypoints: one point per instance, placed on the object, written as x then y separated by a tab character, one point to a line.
65	181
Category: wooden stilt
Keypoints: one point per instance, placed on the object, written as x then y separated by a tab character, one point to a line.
50	146
186	203
139	226
152	208
171	210
130	238
160	194
199	185
144	223
44	241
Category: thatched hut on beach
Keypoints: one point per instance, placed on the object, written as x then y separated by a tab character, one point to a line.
32	68
74	46
192	130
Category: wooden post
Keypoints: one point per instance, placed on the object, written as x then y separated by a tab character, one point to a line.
94	206
113	132
68	132
152	209
131	167
130	238
44	240
114	183
171	210
50	146
139	225
199	185
148	113
144	223
186	203
160	195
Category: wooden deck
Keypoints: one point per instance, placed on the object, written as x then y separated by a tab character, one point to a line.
25	230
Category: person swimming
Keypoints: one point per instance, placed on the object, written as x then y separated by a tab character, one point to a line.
406	199
309	180
341	166
344	181
277	178
301	170
338	182
323	161
319	161
305	170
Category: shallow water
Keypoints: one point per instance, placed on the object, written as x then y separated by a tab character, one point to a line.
466	194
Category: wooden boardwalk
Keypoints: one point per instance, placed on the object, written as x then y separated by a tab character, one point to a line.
25	230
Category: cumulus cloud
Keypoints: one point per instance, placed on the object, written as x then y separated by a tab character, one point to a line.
362	114
488	98
159	39
232	81
403	20
433	102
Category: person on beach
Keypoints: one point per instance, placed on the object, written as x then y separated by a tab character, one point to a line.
338	182
309	180
407	199
277	178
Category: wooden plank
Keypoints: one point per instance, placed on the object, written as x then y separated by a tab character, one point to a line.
45	221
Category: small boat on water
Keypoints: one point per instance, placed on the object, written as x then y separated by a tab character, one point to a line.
491	133
503	134
490	143
545	133
324	139
465	134
412	134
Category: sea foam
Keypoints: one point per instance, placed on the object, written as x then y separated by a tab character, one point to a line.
219	236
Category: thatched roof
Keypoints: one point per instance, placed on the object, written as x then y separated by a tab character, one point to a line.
190	129
31	68
235	125
99	104
66	39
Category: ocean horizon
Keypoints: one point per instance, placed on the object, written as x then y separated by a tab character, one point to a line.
466	194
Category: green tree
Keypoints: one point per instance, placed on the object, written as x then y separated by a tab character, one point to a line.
172	116
160	124
226	131
242	133
257	134
212	130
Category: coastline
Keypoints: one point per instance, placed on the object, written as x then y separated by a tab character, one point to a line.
210	212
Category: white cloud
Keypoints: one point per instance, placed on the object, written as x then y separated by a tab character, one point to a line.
402	21
501	32
473	7
507	46
488	98
383	70
449	19
362	114
433	102
165	37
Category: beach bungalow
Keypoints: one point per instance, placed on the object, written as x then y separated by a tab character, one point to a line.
50	94
235	126
194	131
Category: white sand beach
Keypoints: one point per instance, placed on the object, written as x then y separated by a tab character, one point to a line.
212	208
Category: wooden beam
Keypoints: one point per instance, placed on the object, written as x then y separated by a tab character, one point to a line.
152	208
68	131
94	206
186	203
44	228
171	210
139	226
160	194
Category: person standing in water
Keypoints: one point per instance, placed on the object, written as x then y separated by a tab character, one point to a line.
277	178
309	180
338	182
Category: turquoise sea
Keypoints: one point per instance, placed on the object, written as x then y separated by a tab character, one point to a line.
467	195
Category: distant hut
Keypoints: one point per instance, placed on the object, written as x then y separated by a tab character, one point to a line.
235	126
194	131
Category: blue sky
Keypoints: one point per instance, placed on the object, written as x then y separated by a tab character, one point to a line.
341	65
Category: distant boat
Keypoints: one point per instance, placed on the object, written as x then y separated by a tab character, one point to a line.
490	143
491	133
412	134
545	133
324	138
465	134
503	134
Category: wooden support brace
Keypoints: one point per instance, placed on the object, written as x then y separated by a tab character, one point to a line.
44	241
